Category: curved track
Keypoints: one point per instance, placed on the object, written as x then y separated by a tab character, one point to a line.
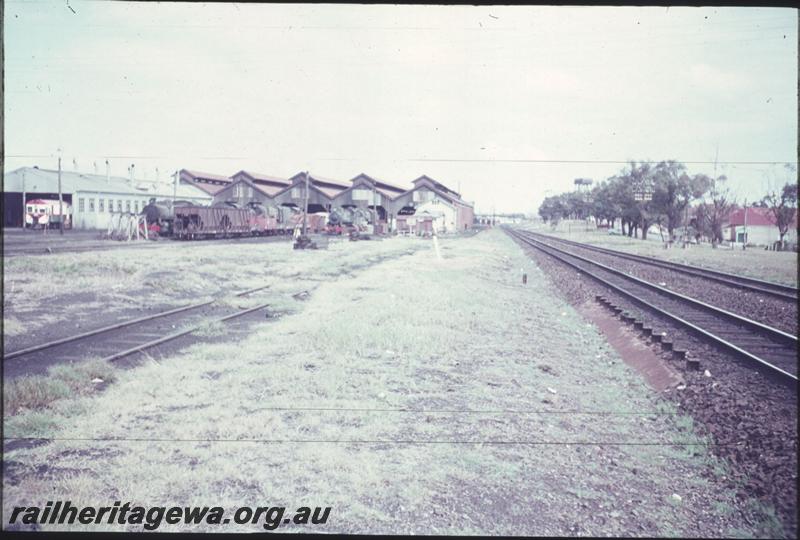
733	280
770	350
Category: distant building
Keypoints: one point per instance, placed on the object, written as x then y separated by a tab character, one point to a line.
761	227
93	197
208	182
454	213
418	209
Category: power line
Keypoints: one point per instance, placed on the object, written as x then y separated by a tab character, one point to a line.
602	161
377	441
455	160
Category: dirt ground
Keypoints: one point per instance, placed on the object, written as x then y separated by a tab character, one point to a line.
415	395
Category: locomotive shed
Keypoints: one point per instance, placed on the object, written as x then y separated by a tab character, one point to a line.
390	408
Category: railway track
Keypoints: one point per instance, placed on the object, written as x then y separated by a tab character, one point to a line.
17	248
123	339
771	350
733	280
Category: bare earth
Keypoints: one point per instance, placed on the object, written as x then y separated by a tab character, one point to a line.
415	395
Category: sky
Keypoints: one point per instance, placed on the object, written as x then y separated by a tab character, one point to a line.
505	104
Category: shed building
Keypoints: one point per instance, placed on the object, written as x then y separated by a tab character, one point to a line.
208	182
321	192
453	214
93	197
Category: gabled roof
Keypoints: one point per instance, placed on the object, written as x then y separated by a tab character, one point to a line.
244	180
260	177
211	189
46	181
381	184
439	185
423	182
317	180
198	175
755	217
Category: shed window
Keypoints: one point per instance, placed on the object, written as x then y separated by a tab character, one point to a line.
81	204
91	204
110	205
119	205
128	206
102	205
136	206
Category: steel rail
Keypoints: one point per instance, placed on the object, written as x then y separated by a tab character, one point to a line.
772	332
117	326
783	375
734	280
176	335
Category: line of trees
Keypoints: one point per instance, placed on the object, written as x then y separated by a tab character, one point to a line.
644	194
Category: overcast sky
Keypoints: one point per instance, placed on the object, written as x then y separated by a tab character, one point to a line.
497	101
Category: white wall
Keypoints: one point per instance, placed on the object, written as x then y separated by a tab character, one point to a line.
762	235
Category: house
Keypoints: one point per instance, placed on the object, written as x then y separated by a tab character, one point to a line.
761	227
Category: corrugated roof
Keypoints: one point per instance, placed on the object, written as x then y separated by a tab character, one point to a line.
211	189
388	185
329	192
264	177
755	217
437	184
209	176
46	181
316	179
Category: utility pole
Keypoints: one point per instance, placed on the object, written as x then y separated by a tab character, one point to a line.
305	205
24	205
374	211
175	190
60	197
744	244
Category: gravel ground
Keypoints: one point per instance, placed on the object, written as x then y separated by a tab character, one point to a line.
752	420
780	267
775	312
411	396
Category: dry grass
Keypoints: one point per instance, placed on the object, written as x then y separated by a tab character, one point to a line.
66	381
413	334
124	280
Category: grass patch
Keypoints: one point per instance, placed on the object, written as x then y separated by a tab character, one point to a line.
37	392
213	328
12	327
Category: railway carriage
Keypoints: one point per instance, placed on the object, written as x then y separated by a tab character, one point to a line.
41	213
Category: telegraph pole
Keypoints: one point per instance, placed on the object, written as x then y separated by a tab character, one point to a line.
175	190
744	244
60	198
305	205
24	206
374	211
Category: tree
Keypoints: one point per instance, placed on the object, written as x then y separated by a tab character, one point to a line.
552	209
715	209
783	207
674	190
